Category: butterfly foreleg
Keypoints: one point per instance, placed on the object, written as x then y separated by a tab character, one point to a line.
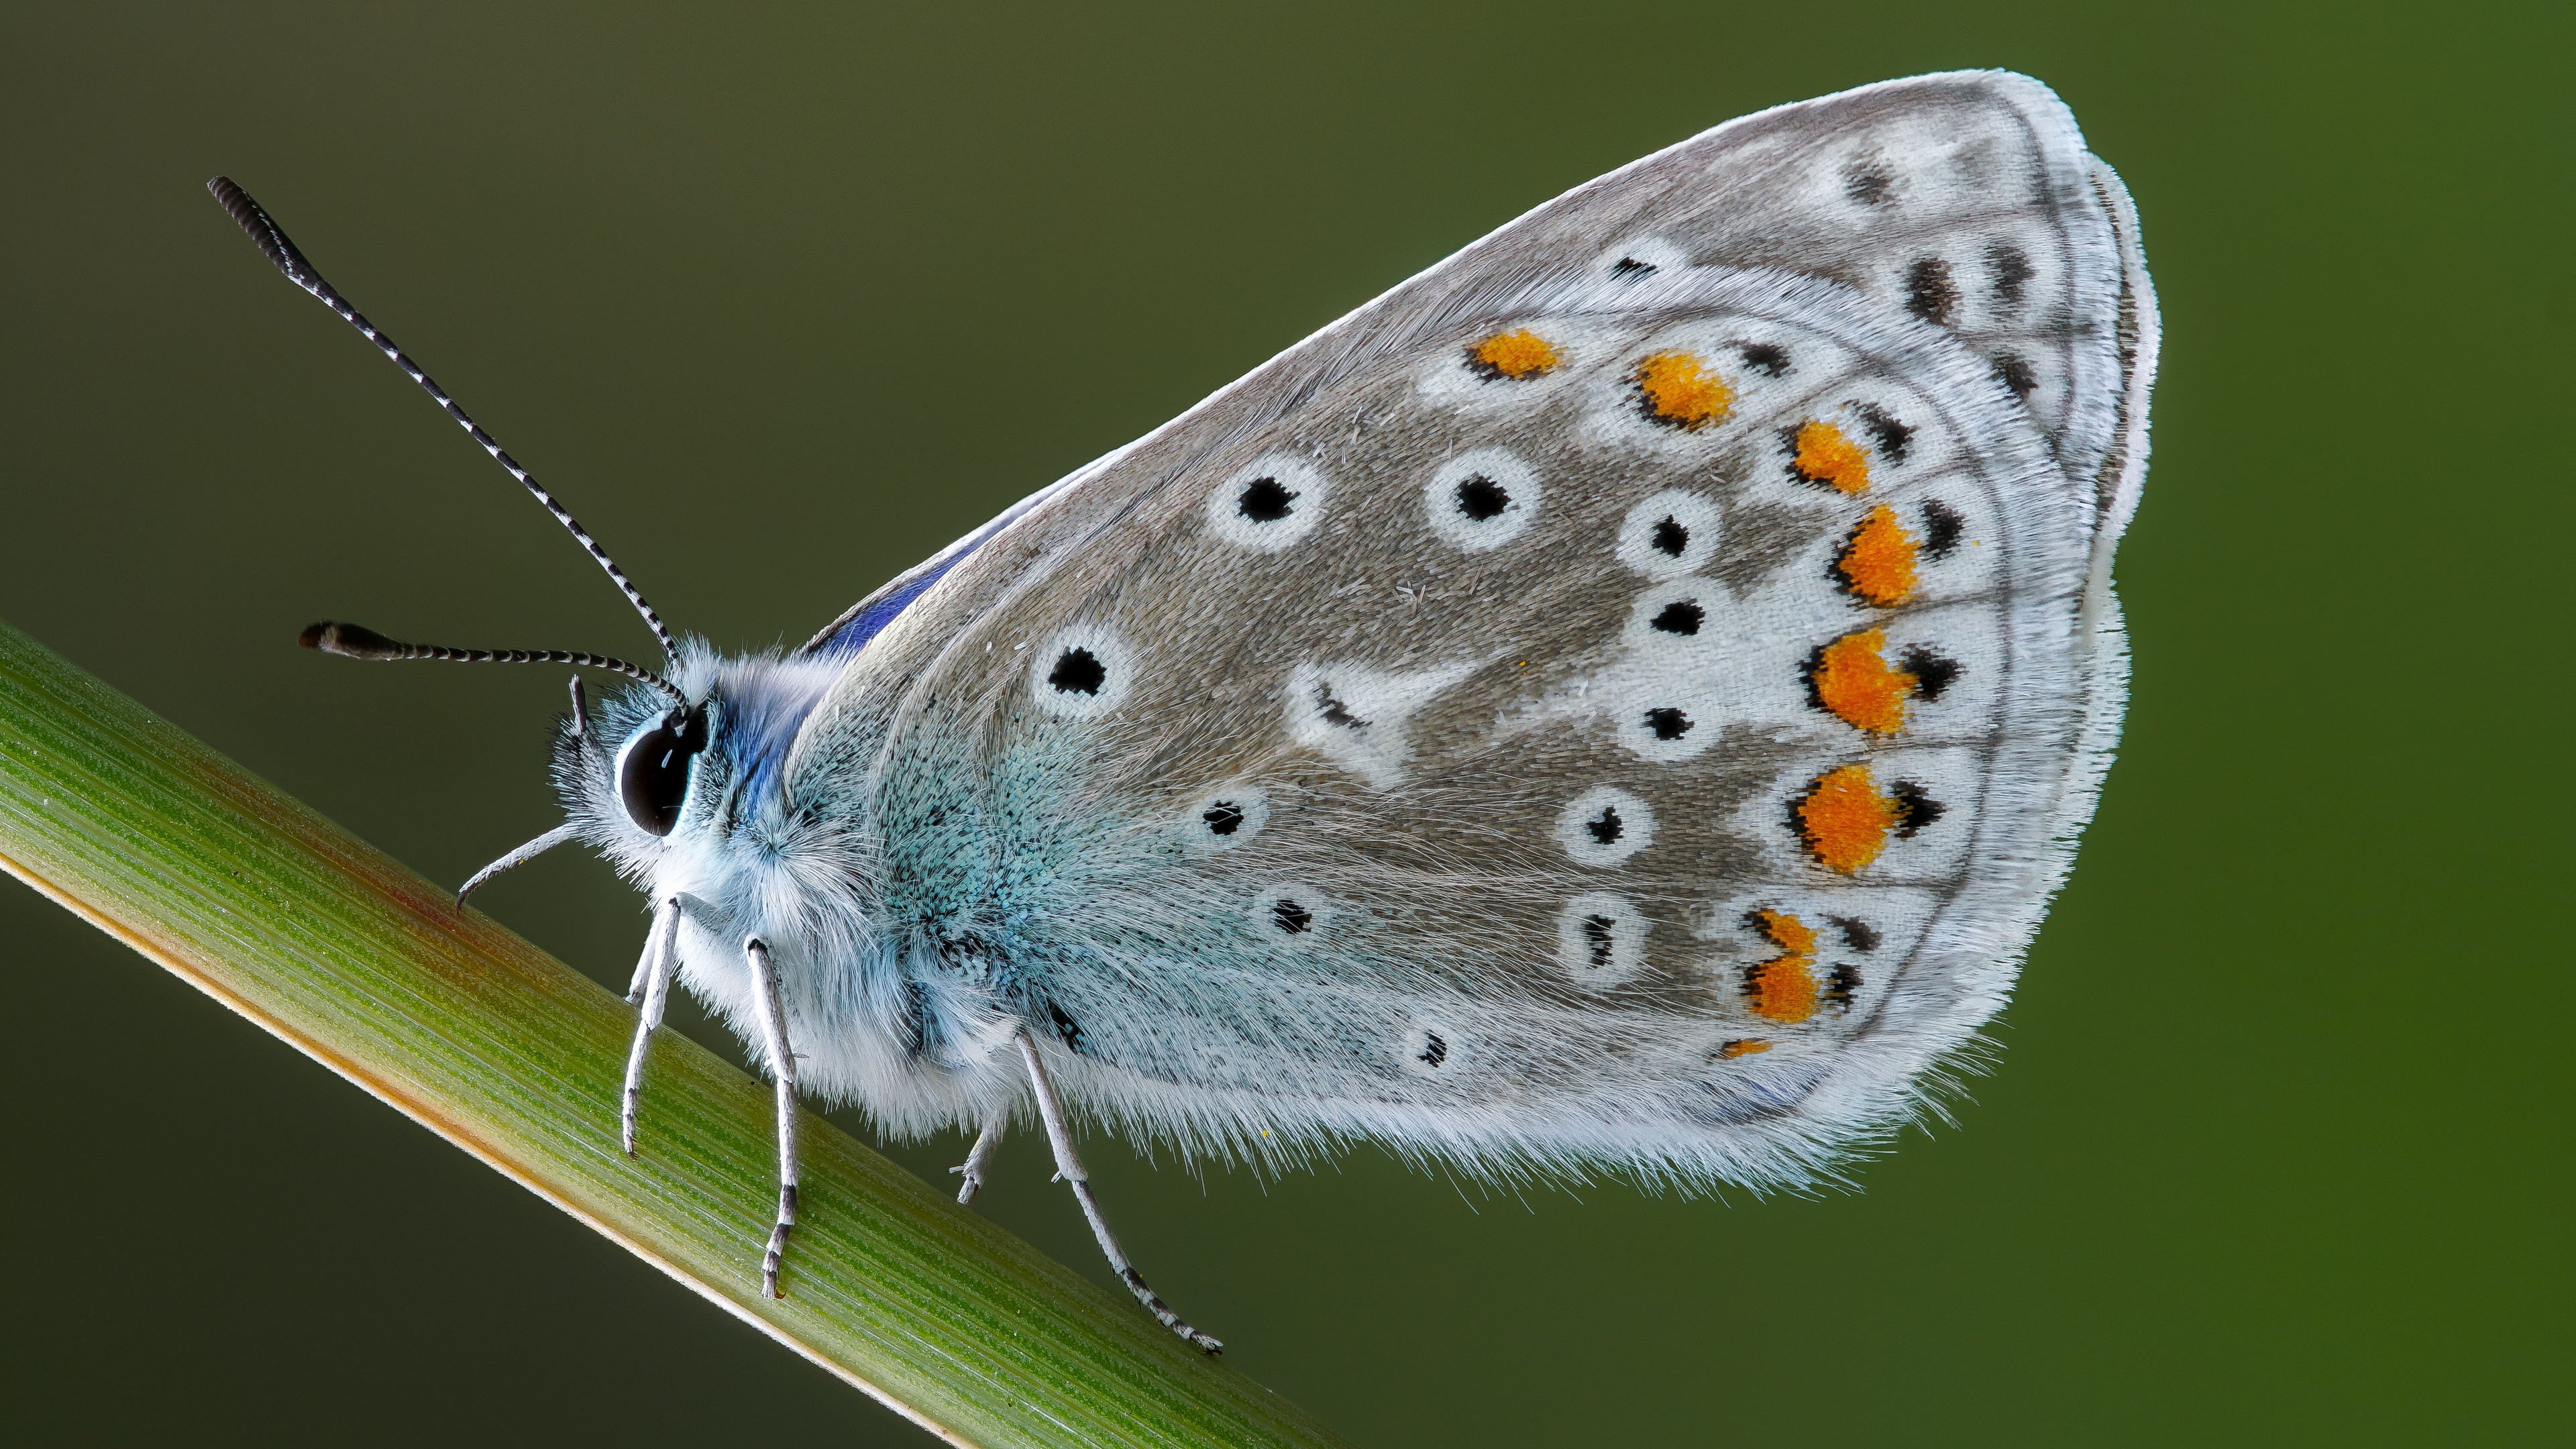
652	991
782	1069
979	1157
1068	1166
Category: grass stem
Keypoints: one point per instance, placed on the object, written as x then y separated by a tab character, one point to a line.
470	1031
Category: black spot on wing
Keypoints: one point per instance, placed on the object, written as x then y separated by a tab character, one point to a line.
1264	500
1915	808
2016	374
1077	671
1932	673
1481	498
2010	272
1681	616
1929	292
1841	986
1607	827
1599	942
1768	359
1334	711
1894	436
1858	934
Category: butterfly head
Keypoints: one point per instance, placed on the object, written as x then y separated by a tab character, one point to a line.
644	766
647	773
647	764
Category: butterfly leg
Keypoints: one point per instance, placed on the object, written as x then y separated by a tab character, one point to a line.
979	1157
1068	1166
782	1069
652	991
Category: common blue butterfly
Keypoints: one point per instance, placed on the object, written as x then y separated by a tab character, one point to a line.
1619	701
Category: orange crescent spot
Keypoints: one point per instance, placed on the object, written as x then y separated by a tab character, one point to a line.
1515	356
1681	391
1851	678
1826	456
1878	563
1784	988
1787	932
1745	1048
1844	819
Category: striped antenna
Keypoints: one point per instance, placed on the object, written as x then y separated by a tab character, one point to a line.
356	641
281	253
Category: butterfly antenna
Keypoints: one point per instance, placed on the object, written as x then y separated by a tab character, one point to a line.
352	641
281	253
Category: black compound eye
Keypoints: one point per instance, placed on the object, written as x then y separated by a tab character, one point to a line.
653	769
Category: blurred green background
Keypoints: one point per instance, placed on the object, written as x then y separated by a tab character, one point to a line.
2278	1151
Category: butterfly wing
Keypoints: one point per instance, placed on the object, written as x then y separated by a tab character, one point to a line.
1622	698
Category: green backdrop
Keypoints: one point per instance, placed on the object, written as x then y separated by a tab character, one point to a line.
2278	1149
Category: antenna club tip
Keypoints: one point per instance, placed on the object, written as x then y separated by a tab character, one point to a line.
350	641
235	201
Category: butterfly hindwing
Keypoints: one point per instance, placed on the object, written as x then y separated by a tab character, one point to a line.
1614	700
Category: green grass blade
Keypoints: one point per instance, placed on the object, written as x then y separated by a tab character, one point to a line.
515	1057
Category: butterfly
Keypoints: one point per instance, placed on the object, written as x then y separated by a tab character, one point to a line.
1620	701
